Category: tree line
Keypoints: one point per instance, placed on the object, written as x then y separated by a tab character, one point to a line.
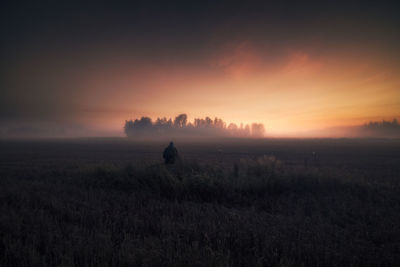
382	128
146	127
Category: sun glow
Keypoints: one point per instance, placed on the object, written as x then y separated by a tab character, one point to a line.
291	94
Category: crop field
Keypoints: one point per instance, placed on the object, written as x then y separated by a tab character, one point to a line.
226	202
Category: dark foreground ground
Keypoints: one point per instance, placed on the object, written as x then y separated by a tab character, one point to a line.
111	202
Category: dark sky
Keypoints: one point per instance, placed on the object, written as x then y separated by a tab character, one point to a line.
51	52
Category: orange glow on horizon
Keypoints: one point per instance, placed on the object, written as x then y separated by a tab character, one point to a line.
295	93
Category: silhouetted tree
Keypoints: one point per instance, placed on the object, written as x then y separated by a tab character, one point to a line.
208	122
257	130
180	121
161	122
138	127
232	127
381	129
144	127
218	123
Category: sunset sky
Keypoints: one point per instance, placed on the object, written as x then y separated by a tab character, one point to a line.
81	70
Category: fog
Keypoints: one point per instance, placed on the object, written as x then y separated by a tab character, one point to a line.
180	127
145	127
371	129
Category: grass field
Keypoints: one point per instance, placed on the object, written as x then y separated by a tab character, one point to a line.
274	202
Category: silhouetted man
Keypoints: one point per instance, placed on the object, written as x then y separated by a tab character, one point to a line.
170	154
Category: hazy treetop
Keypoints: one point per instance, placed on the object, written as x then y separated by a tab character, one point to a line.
181	126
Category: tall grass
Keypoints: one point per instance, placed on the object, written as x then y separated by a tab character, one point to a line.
254	212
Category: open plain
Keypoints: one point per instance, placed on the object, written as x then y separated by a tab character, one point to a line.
227	202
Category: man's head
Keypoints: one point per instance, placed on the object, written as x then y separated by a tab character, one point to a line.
171	143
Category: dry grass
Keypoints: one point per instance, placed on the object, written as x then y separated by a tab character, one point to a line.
260	213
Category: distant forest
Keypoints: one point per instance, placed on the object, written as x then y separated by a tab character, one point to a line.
381	129
145	127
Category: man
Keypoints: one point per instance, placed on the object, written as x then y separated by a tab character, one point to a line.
170	154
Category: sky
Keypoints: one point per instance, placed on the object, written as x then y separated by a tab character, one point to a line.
74	69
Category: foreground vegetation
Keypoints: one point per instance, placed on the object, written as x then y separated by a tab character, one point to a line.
252	212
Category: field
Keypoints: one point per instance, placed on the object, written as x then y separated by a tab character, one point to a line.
274	202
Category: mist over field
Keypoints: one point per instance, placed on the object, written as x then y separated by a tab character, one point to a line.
372	129
180	127
199	133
